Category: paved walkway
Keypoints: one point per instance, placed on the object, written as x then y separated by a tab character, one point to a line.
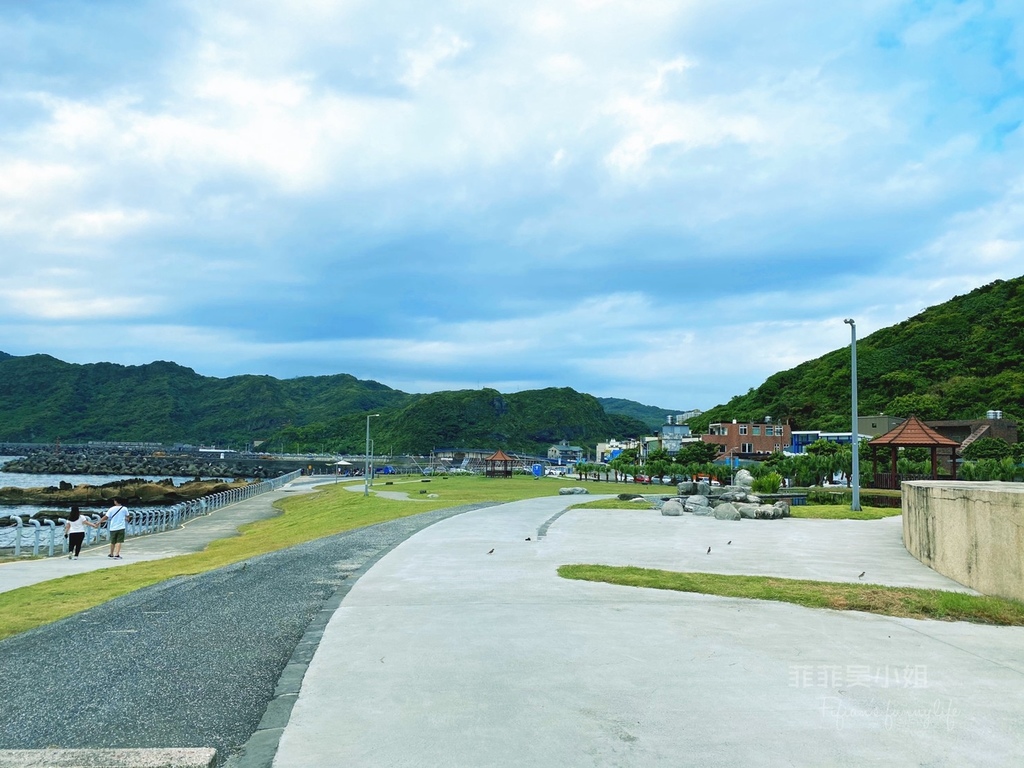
446	653
193	536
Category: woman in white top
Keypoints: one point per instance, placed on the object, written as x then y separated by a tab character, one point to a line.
74	530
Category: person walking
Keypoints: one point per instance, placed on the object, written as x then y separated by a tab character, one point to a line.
74	531
117	520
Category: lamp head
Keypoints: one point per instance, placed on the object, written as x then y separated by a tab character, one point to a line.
850	321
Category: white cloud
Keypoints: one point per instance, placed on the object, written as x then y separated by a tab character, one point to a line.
652	164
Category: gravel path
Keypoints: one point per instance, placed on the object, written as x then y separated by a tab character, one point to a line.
191	662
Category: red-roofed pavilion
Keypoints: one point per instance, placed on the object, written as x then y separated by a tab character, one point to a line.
912	433
498	464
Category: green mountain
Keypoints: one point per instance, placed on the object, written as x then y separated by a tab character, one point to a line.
955	360
650	415
43	399
528	421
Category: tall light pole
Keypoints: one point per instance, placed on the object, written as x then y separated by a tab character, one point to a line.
366	456
855	435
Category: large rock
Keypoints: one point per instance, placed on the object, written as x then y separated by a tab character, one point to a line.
704	488
768	512
698	505
744	479
687	488
726	511
672	508
748	511
572	491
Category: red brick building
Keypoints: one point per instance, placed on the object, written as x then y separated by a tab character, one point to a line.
748	439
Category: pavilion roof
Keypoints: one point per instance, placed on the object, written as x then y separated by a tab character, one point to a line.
914	433
499	455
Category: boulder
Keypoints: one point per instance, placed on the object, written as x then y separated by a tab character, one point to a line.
748	511
704	488
698	505
744	479
672	508
768	512
572	491
726	511
687	488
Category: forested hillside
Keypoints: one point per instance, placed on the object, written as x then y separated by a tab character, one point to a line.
43	399
528	421
955	360
952	361
650	415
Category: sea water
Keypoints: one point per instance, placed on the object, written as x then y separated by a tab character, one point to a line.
25	480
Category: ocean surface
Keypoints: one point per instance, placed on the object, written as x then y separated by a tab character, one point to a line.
22	480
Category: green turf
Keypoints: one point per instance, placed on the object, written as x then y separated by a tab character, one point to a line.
872	598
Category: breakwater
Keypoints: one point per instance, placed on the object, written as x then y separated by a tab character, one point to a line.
137	463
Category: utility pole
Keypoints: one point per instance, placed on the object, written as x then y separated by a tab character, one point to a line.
855	434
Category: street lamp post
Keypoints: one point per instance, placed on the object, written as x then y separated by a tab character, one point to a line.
855	435
366	456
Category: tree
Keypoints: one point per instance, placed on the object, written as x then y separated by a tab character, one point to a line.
696	453
987	448
659	468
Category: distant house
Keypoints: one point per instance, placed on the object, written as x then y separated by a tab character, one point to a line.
748	439
563	453
878	424
605	452
967	431
674	433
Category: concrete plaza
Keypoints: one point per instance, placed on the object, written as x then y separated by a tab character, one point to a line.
447	654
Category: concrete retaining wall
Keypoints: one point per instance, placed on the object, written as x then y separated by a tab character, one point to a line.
970	532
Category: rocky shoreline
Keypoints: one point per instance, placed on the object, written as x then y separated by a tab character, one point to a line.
133	492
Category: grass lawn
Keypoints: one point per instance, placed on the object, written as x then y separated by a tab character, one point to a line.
871	598
613	504
839	512
309	516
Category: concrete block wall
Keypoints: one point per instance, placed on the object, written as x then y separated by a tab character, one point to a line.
971	532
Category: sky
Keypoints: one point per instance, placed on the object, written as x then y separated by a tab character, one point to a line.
665	201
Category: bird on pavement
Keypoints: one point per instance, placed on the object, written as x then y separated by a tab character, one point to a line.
709	550
862	574
491	552
729	541
527	538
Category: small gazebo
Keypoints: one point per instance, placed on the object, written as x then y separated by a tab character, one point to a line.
912	433
498	464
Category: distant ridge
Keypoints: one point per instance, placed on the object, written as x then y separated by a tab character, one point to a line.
43	399
650	415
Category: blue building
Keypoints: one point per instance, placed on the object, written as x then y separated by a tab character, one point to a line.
799	440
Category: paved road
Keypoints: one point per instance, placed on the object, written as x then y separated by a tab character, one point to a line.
192	662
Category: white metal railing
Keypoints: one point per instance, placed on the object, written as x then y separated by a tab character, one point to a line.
42	534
